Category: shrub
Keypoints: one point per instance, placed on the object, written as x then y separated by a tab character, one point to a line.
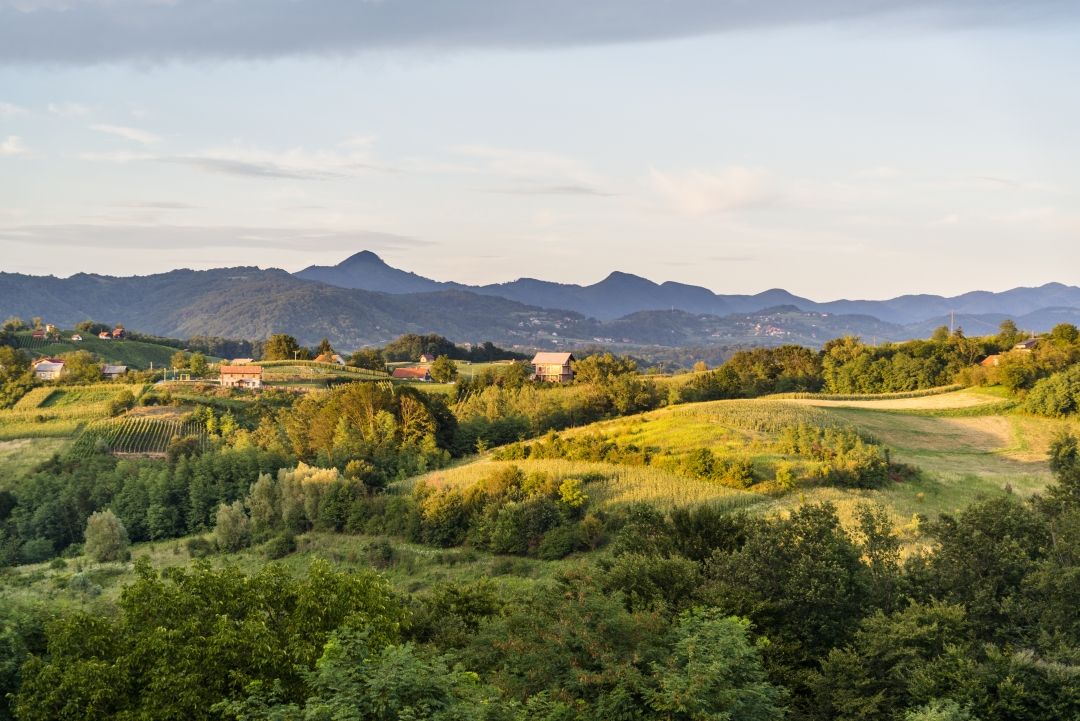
199	547
106	537
280	546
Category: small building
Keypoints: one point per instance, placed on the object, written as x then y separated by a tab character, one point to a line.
47	369
241	361
247	376
337	359
553	367
38	335
105	335
412	374
76	338
119	333
113	372
1026	346
427	357
991	361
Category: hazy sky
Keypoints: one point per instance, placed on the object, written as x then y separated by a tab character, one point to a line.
834	148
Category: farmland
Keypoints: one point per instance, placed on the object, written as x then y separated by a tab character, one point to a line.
56	412
137	435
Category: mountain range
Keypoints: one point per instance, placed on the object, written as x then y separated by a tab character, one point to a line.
363	301
620	294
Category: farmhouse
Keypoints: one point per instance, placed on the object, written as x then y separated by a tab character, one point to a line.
47	369
991	361
412	374
553	367
247	376
113	372
1026	346
427	358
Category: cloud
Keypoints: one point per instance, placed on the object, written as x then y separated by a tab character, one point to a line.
13	145
731	189
584	190
9	110
156	205
69	110
134	134
114	236
350	158
86	31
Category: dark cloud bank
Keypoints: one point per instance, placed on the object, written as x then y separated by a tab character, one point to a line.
92	31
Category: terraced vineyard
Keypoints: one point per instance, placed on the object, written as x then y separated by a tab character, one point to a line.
137	435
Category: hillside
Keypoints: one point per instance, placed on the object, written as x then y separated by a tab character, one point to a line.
964	445
132	353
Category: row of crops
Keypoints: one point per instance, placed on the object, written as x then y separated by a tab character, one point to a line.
35	398
142	435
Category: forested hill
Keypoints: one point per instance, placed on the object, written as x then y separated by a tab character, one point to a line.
250	303
620	294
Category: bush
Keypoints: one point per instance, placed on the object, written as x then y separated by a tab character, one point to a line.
280	546
232	527
557	543
380	554
36	550
199	547
106	538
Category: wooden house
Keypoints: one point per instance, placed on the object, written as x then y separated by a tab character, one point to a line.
412	374
112	372
247	376
553	367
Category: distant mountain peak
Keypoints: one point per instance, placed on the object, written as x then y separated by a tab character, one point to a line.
365	257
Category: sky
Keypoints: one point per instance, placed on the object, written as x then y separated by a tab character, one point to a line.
840	148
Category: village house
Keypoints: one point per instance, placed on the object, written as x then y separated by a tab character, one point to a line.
412	374
553	367
47	369
119	333
991	361
38	335
247	376
332	358
105	335
1026	346
427	358
76	338
112	372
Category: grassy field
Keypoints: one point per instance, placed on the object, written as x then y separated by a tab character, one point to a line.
19	456
964	443
57	412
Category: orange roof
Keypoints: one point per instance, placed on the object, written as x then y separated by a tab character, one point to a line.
324	358
241	370
410	373
559	359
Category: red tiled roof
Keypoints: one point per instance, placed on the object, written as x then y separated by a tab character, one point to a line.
241	370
